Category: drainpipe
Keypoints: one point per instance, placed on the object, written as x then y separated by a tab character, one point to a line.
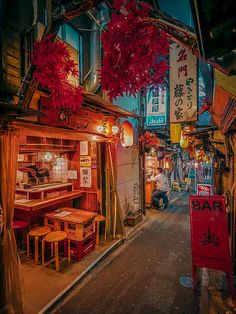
35	12
100	18
142	170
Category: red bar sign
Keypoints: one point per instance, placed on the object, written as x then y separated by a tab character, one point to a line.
209	234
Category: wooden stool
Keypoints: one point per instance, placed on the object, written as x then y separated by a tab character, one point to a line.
19	226
54	237
98	219
36	233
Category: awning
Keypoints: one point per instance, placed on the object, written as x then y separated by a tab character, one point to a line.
223	108
228	83
203	130
98	104
33	129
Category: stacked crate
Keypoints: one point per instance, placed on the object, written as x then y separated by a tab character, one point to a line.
51	222
80	227
81	231
79	249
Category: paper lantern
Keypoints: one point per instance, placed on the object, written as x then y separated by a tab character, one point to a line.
166	163
175	132
126	134
184	141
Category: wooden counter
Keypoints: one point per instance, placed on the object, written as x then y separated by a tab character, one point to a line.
30	210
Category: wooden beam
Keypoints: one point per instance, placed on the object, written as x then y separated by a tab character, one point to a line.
77	9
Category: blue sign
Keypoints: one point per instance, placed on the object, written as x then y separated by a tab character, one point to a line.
156	106
159	120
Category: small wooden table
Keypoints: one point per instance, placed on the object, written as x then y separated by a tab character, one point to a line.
78	223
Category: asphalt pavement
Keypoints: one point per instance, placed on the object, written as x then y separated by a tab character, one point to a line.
143	275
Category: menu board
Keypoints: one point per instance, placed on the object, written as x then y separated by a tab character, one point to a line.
84	148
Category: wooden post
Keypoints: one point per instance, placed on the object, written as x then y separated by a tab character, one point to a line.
68	248
36	250
56	256
97	232
43	245
28	246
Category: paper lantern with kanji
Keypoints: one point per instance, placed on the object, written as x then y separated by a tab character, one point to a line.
126	134
175	132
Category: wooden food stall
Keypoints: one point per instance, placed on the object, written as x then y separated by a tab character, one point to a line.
61	164
55	169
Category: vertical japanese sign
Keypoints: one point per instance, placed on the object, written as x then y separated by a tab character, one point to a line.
209	233
156	106
183	85
85	177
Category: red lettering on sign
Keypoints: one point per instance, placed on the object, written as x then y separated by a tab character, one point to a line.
206	205
209	234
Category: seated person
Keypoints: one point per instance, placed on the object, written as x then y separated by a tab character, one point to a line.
161	189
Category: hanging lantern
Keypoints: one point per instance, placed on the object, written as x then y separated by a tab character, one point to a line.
175	132
167	163
126	134
184	142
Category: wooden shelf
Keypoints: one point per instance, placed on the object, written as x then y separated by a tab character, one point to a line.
40	144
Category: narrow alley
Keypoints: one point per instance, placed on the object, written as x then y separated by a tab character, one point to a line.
143	275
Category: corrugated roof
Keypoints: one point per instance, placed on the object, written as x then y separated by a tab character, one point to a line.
97	103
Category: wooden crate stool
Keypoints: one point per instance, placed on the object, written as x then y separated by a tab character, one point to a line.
54	237
98	219
36	233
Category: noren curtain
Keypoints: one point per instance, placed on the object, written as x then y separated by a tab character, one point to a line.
10	273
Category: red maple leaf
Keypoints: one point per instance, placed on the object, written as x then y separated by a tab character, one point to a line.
134	50
53	66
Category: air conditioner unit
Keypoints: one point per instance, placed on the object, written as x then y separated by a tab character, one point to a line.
38	31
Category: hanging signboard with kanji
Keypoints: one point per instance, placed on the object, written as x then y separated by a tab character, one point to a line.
183	85
209	234
156	106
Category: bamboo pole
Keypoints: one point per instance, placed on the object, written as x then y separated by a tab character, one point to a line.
115	216
108	199
113	189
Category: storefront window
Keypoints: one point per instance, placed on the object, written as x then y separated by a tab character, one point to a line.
71	36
